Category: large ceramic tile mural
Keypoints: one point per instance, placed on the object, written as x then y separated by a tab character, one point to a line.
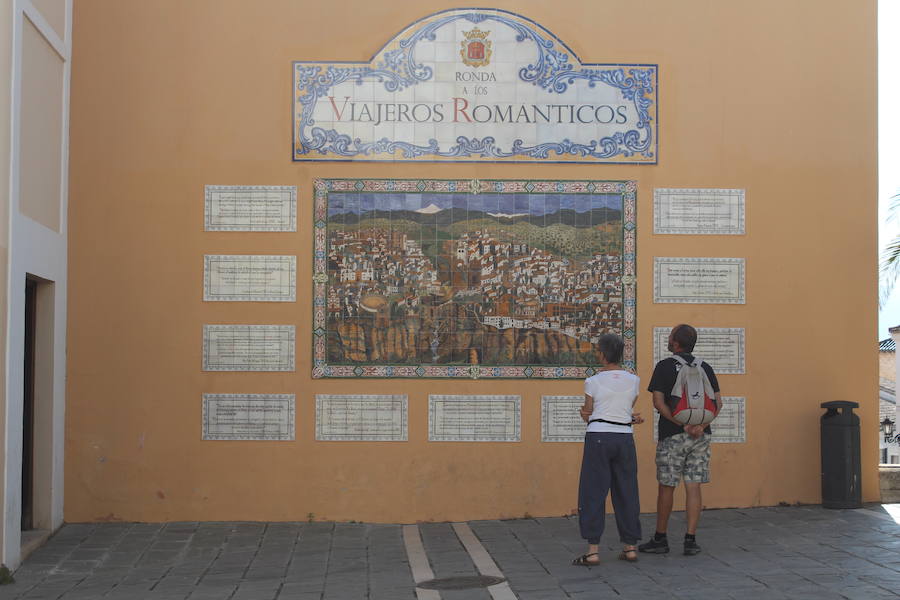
475	85
447	278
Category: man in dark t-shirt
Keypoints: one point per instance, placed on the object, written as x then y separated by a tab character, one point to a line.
682	452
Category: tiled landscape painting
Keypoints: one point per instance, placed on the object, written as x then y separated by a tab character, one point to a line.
480	279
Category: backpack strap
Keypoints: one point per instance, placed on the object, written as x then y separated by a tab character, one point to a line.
696	362
679	360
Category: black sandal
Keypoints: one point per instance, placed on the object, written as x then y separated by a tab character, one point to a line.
582	561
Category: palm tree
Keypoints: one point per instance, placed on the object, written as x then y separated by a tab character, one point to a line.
890	259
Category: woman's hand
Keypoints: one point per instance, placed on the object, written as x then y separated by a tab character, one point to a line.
636	418
585	413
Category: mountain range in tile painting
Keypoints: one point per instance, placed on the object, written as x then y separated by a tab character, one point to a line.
455	215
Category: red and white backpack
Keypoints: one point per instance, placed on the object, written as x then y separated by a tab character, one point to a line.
696	398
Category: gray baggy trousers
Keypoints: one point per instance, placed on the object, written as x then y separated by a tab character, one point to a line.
609	464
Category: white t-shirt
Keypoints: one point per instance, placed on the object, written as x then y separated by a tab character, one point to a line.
613	393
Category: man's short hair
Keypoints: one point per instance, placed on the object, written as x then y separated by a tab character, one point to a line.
612	347
685	336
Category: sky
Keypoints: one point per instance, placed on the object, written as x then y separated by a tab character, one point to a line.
508	204
888	146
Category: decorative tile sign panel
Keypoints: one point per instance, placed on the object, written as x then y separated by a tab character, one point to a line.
480	279
723	348
702	211
248	347
698	280
561	420
264	278
475	85
474	418
250	208
248	417
370	418
730	427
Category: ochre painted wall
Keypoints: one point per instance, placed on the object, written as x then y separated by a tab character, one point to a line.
771	96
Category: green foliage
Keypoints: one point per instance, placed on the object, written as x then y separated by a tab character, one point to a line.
890	259
408	227
6	576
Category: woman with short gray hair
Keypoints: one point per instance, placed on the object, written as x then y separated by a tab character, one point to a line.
609	463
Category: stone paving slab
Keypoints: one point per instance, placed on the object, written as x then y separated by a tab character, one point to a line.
748	554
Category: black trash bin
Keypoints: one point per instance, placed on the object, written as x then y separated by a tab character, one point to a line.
841	485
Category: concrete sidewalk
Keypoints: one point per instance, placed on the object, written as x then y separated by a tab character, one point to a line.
748	554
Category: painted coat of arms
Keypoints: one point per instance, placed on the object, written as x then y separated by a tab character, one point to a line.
476	48
476	85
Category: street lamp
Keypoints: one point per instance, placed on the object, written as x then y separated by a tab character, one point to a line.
887	428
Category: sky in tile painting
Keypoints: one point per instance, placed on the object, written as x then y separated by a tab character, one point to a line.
508	204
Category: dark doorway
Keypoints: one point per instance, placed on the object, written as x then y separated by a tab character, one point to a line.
28	407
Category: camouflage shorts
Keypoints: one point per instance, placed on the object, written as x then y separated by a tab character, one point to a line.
683	457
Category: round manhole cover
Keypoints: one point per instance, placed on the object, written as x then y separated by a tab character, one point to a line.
460	583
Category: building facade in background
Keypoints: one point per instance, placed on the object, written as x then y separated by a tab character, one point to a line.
887	401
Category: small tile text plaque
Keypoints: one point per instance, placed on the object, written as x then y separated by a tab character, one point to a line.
474	418
698	211
248	347
560	419
369	417
250	208
698	280
260	417
721	347
253	278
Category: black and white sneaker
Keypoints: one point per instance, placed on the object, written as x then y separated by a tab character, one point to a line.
691	548
655	546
